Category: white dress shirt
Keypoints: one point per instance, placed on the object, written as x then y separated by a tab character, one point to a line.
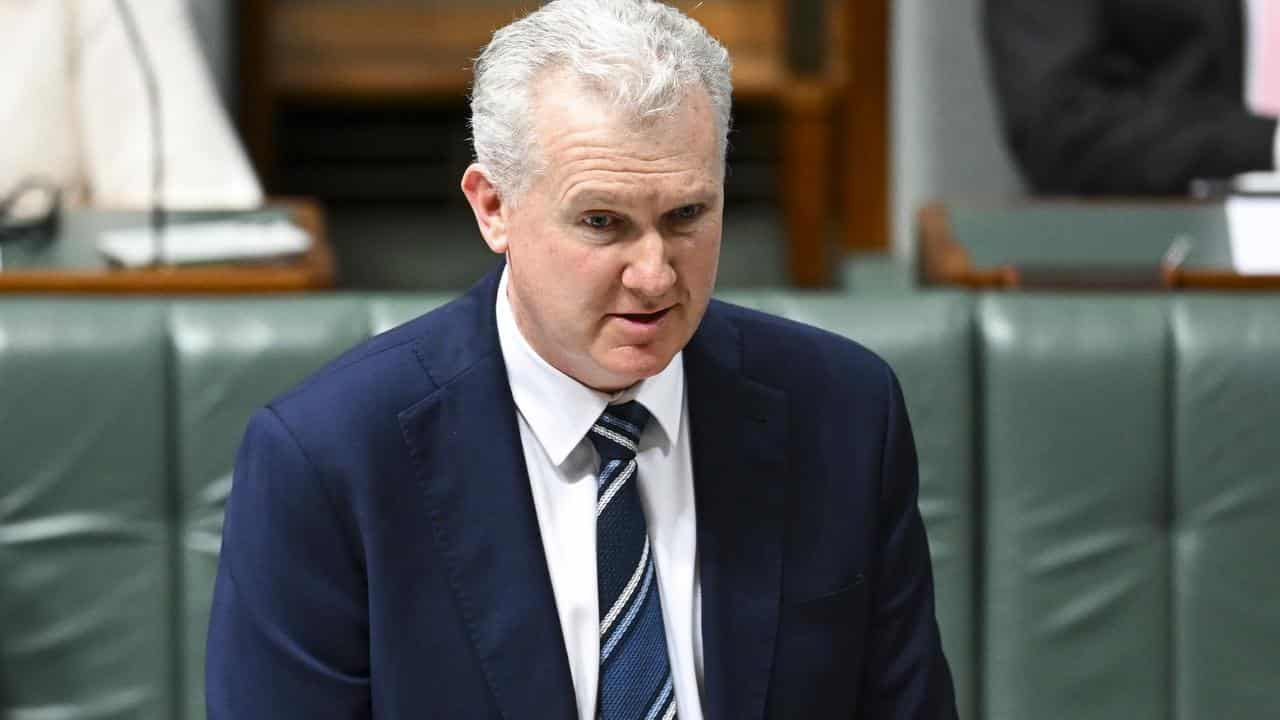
1254	11
554	413
74	110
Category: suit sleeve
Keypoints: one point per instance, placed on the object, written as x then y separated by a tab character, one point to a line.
288	633
1082	117
906	673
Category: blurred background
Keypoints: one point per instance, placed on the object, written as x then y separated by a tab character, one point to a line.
1057	220
866	131
363	105
840	120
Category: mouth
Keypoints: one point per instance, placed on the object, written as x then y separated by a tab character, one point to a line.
645	319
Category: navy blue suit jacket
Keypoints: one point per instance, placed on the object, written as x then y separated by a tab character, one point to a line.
381	554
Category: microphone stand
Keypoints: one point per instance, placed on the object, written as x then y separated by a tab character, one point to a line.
152	88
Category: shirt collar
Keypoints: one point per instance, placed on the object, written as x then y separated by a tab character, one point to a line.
560	410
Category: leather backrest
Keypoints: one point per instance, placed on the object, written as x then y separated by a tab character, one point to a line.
1226	500
1076	509
390	310
86	534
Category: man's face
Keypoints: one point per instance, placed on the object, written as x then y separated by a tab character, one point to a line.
612	251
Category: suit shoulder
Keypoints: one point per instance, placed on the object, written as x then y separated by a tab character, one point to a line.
386	372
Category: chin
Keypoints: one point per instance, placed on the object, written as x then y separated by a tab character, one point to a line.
630	365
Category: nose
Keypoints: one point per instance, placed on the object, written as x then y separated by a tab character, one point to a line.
649	271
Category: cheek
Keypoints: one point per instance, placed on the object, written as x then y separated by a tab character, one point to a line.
574	285
548	261
699	260
585	278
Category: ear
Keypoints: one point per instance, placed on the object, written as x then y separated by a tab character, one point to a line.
486	203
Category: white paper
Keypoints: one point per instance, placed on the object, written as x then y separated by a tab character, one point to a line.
1253	224
213	241
1257	182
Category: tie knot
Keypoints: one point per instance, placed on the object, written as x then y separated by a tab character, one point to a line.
617	431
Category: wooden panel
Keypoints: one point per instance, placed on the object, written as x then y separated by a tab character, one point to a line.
343	49
375	50
804	189
1219	280
752	30
256	109
867	126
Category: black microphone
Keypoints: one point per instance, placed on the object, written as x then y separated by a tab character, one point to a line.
152	88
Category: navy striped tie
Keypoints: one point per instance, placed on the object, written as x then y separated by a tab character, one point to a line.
635	674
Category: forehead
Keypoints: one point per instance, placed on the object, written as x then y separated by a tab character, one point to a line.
587	146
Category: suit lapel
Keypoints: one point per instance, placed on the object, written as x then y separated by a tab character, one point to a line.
738	430
466	447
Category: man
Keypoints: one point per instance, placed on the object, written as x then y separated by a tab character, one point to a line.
1136	96
580	490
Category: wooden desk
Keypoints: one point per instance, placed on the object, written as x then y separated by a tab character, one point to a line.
72	263
1081	244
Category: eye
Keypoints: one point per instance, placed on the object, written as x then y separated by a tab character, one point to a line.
688	212
599	221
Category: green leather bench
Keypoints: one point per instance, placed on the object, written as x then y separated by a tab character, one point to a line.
1100	477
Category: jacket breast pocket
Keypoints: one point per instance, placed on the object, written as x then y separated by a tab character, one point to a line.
818	664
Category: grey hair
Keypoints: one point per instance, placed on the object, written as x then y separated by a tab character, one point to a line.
643	56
